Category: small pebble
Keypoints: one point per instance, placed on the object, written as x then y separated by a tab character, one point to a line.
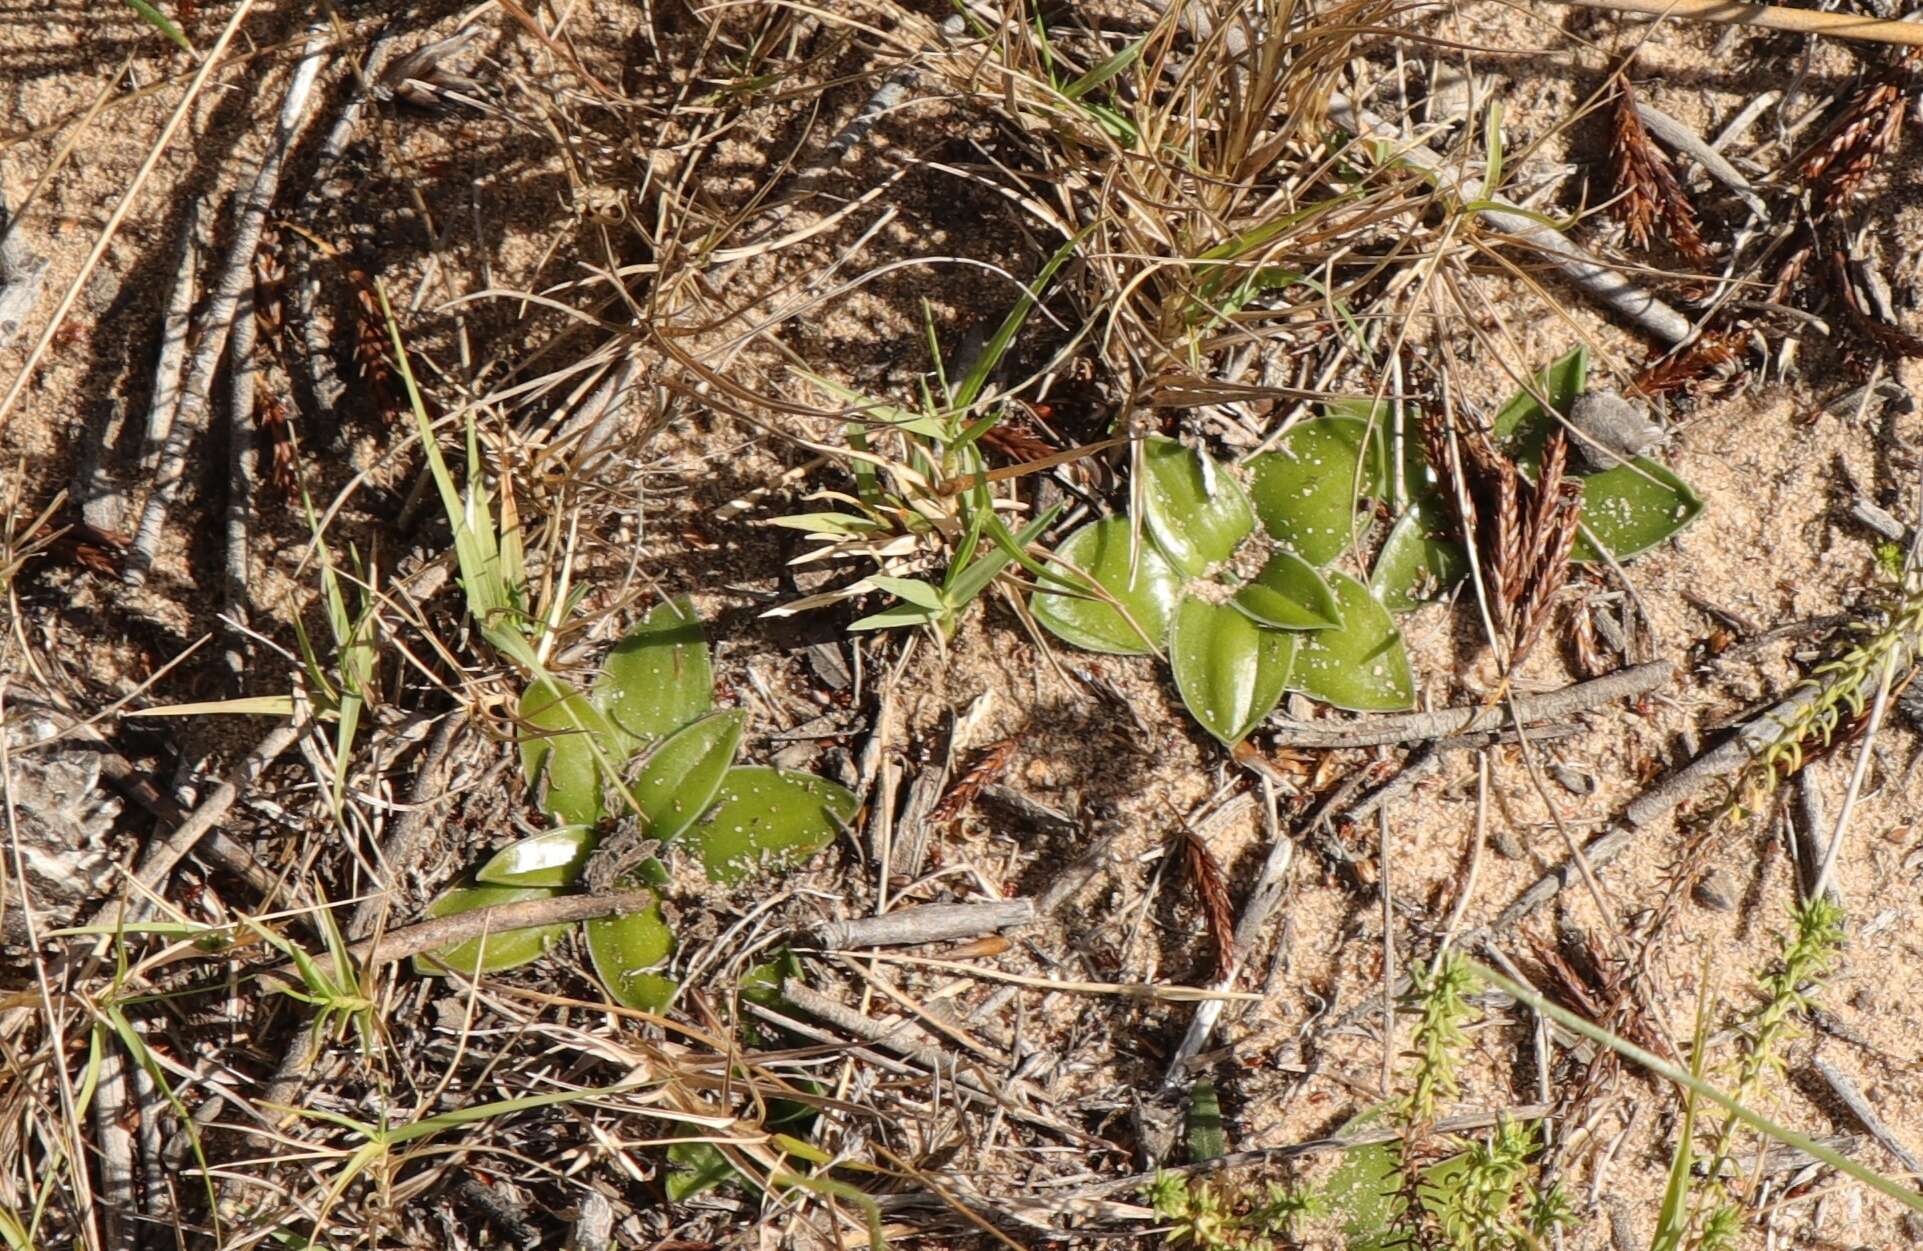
1717	891
1575	781
1613	429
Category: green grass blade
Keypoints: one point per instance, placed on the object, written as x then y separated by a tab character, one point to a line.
969	389
1690	1082
151	15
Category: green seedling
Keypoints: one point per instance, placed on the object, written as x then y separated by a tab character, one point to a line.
649	735
922	496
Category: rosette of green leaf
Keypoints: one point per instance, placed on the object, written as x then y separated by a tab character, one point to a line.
1196	511
1289	594
1309	490
626	950
563	740
493	952
658	677
1363	666
768	819
1626	510
1230	671
554	858
1136	578
1415	564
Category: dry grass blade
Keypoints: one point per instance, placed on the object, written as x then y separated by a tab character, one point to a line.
1648	193
1523	530
1836	165
1213	894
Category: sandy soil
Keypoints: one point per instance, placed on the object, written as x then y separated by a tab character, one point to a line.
444	206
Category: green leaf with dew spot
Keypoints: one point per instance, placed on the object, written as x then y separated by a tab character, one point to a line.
1361	666
682	776
1290	594
768	819
625	950
1197	512
1308	491
1231	672
1102	550
658	678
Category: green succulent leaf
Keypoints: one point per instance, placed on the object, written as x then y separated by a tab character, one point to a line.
658	678
494	952
1416	565
1632	508
1195	510
1306	491
551	859
1102	550
682	776
1231	672
560	736
1524	418
1625	510
625	949
1290	594
769	819
1362	666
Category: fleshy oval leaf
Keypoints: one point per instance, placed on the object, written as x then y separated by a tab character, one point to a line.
1230	671
1524	418
1307	492
551	859
493	952
1632	508
1101	549
1196	511
1415	565
682	775
1362	666
1289	594
769	819
560	734
658	677
626	950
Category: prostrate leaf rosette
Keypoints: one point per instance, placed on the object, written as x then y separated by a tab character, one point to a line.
1298	624
649	736
1234	651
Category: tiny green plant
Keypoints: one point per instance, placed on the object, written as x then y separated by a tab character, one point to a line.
923	497
653	706
1236	644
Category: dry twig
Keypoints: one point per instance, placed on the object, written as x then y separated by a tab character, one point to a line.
236	275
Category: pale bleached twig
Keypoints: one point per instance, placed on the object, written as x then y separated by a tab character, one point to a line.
174	330
1845	1088
1750	738
243	476
1767	17
162	856
22	274
926	923
1599	281
235	275
1449	722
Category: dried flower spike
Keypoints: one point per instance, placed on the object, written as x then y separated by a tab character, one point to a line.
1648	193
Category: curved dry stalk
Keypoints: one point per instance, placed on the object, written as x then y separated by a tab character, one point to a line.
1767	17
